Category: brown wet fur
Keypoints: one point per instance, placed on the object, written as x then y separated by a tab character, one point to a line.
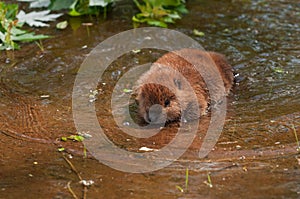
171	70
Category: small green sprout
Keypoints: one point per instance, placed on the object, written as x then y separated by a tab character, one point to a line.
296	137
186	178
208	182
186	182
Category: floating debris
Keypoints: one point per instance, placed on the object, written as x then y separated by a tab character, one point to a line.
146	149
126	123
45	96
136	51
85	134
93	95
77	138
87	24
87	183
62	25
229	142
125	90
198	33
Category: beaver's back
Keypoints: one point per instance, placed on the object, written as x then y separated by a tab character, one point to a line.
177	61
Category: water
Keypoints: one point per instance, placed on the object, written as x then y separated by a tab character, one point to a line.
255	156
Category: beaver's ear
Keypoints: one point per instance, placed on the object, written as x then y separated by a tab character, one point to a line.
177	83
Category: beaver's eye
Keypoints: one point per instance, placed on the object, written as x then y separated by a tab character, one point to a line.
167	102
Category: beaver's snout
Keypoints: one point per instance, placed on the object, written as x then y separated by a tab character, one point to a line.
156	115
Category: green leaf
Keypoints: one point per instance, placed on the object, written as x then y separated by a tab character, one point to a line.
158	12
28	37
62	25
64	139
10	10
61	4
174	16
143	15
139	20
77	138
37	18
2	47
140	6
102	3
168	20
37	3
10	46
2	37
181	9
17	31
7	45
74	13
157	23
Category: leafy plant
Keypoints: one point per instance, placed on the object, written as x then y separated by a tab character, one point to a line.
159	12
37	18
10	28
11	21
153	12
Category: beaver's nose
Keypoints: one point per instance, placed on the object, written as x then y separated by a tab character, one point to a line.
156	115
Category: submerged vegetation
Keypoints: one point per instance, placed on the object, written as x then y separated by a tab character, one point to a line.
152	12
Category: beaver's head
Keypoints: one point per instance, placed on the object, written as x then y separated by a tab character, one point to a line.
157	103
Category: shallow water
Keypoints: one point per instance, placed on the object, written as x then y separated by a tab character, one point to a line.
255	157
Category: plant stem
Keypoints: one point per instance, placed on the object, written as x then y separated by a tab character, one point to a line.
295	133
186	178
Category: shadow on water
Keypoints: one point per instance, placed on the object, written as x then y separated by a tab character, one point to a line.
255	157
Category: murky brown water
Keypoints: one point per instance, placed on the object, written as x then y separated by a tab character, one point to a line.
255	156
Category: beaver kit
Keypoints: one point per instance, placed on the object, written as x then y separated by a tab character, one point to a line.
174	89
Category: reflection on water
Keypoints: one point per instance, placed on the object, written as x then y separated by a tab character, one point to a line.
255	154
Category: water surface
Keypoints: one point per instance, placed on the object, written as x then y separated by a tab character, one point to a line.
255	157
